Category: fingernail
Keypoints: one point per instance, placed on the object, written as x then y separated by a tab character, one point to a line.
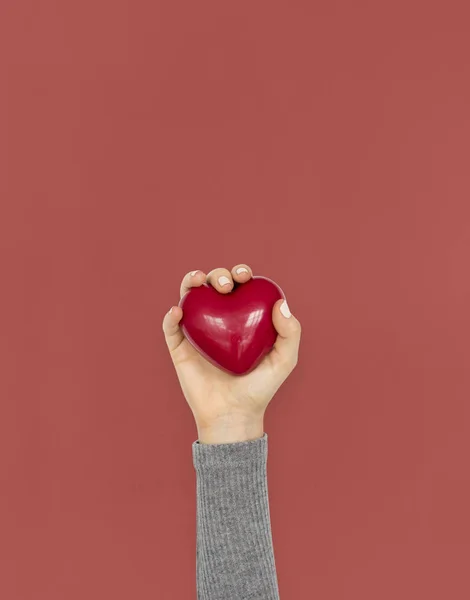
169	312
223	280
285	310
194	273
241	270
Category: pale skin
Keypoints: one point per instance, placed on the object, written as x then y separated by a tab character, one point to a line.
230	408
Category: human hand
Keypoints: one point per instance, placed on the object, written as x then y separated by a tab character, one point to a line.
230	408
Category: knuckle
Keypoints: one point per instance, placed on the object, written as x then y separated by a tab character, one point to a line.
296	327
293	361
287	363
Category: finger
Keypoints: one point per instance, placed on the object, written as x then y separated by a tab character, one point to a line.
286	347
171	329
191	279
241	273
221	280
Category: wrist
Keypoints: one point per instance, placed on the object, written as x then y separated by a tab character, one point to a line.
229	430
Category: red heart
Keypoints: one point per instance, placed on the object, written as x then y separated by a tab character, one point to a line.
233	331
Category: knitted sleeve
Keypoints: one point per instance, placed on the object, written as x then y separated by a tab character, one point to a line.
235	556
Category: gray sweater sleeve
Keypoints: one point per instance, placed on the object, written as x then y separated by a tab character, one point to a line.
234	556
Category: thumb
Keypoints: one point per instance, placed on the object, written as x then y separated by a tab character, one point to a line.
286	347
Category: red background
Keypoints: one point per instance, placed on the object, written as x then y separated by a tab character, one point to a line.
326	144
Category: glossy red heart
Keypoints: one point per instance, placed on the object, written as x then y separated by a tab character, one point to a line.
233	331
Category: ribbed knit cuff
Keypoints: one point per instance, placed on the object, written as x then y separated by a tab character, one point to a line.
207	456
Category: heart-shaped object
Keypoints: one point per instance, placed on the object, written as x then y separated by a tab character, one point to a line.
233	331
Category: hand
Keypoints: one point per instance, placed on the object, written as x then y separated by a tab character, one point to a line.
230	408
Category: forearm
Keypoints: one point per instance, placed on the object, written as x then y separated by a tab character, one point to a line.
235	556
